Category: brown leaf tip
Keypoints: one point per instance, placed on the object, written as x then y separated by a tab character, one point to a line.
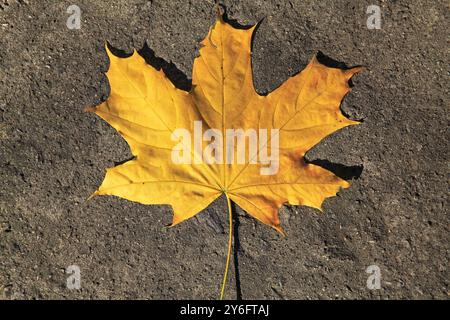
90	109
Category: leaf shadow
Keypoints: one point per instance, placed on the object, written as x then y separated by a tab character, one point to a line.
118	163
175	75
233	22
340	170
236	248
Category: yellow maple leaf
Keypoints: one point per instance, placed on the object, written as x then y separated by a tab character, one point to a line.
147	109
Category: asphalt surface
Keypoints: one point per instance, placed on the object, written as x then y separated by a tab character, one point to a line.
53	156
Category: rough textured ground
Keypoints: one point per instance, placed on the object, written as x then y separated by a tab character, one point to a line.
53	156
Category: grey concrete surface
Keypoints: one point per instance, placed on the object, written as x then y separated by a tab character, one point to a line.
53	156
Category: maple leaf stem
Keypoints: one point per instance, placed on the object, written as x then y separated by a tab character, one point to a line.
230	241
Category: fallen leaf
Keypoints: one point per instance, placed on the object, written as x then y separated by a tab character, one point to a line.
146	108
